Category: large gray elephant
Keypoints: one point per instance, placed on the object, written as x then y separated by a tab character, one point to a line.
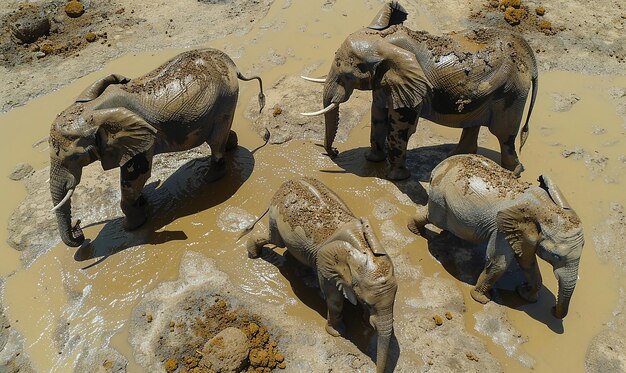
123	122
463	79
476	200
320	231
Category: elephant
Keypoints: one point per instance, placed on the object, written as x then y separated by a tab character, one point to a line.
121	122
478	201
464	79
320	231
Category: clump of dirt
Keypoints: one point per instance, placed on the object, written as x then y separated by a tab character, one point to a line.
518	15
32	31
263	352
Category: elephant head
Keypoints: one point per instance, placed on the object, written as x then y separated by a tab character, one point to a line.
78	137
354	258
365	61
548	227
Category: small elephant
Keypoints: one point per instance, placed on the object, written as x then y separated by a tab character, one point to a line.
464	79
476	200
123	122
320	231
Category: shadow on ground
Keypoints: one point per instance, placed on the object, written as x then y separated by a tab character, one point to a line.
420	161
465	261
183	193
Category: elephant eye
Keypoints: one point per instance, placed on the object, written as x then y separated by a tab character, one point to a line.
556	257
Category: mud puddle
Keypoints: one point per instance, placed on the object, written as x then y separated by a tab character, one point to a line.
67	300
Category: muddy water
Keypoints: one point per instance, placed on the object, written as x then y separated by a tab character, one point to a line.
89	299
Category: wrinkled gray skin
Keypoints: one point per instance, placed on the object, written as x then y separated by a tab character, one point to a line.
187	101
476	200
319	230
463	80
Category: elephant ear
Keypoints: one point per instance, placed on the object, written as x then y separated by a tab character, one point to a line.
546	183
518	225
121	134
332	264
371	238
391	14
403	78
95	90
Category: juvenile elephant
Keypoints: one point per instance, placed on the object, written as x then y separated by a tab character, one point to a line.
463	79
320	231
185	102
476	200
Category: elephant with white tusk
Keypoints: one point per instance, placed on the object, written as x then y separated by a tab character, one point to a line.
319	230
123	123
478	201
464	79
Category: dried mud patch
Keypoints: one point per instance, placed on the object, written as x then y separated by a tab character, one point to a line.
38	30
290	96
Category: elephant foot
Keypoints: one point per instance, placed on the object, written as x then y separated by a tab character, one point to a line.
415	225
400	173
332	330
216	171
232	141
518	169
375	155
136	214
527	293
480	297
254	246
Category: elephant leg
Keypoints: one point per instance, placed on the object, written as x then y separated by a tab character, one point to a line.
468	144
499	256
219	142
232	141
380	129
403	122
530	290
505	128
334	304
419	220
255	244
133	177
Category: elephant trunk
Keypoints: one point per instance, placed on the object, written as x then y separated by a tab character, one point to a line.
61	182
566	277
384	327
331	117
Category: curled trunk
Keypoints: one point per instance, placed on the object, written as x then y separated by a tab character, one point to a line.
61	181
566	277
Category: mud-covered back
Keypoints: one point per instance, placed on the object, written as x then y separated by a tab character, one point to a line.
310	204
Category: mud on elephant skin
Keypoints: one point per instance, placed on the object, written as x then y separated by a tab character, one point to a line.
187	101
320	231
181	194
473	198
464	79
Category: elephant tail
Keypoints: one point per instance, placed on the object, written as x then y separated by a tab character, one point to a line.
261	95
249	228
533	96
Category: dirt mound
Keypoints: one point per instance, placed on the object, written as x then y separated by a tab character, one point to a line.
36	31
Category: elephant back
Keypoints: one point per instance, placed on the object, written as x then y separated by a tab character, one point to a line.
311	205
176	90
475	176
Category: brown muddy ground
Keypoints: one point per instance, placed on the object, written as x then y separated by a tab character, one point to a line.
83	309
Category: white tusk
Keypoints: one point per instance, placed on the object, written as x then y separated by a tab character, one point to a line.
324	110
64	200
314	80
